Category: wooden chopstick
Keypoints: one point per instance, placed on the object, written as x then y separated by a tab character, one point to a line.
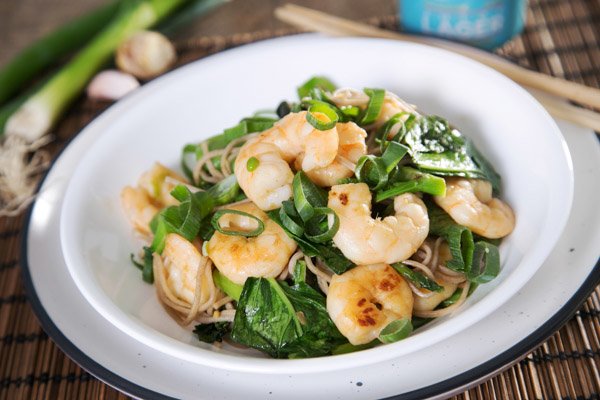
560	109
309	19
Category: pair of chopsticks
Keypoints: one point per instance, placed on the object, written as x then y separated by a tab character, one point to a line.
555	90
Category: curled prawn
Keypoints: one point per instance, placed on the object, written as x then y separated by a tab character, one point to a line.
364	300
470	203
270	182
181	260
152	193
239	257
365	240
351	147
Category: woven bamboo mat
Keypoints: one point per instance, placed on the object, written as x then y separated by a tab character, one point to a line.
562	38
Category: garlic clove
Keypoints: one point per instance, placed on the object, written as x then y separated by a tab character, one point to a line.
145	55
111	85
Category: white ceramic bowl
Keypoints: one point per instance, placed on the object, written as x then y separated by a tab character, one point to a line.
200	99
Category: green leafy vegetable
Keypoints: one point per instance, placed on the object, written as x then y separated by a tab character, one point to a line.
439	148
458	237
145	266
265	318
272	317
211	333
486	263
418	322
346	348
331	256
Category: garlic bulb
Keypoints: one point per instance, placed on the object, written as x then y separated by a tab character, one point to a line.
145	55
111	85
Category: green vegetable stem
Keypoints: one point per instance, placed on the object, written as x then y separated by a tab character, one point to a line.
46	51
39	113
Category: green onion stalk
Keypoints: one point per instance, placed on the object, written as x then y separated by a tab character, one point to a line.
43	53
39	113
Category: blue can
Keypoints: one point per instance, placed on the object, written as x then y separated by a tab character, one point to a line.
483	23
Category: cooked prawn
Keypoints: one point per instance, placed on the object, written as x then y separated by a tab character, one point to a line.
181	261
470	203
428	303
270	183
391	106
351	147
364	300
365	240
239	257
152	194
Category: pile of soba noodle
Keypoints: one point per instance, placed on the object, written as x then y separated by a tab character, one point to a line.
185	272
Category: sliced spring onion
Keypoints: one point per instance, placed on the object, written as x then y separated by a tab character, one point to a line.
392	155
371	170
331	256
231	232
290	218
322	116
318	229
181	193
225	192
307	196
315	82
232	290
258	123
350	111
383	134
193	152
299	272
410	180
252	164
458	237
396	330
486	263
376	97
184	219
418	279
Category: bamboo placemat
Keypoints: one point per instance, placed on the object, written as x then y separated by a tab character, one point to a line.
562	38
